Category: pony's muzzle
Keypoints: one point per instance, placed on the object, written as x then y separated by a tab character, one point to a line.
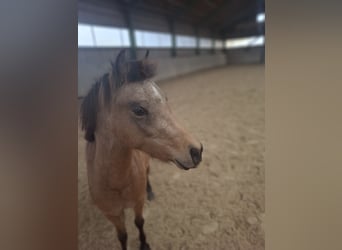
196	154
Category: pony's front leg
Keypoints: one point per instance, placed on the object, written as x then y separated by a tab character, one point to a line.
150	194
139	222
119	223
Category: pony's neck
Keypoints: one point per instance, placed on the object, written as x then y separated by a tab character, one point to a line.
115	158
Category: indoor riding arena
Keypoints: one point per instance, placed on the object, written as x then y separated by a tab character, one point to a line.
210	64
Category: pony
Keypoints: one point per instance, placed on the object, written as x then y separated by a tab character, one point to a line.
126	120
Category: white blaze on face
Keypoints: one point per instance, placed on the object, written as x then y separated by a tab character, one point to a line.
156	92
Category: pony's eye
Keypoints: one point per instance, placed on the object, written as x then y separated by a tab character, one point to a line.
139	111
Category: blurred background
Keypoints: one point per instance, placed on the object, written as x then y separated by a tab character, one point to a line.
210	57
185	36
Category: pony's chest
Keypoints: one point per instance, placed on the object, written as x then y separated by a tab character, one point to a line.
116	188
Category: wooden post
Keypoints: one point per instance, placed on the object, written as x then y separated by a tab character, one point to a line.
128	19
173	50
197	50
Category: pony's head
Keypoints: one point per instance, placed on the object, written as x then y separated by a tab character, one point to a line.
135	111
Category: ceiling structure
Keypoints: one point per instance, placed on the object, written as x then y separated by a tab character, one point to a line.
225	18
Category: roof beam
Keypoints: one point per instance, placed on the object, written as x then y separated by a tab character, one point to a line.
245	33
214	12
210	3
244	14
185	10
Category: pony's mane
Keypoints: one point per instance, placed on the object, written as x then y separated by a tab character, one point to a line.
124	73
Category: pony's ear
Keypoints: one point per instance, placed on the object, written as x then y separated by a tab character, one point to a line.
120	68
147	53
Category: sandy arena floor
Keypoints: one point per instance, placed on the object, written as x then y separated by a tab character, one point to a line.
219	205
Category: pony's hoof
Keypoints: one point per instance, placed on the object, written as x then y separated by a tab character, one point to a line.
150	196
145	247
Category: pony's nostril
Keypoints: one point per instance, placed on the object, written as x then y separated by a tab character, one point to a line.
196	155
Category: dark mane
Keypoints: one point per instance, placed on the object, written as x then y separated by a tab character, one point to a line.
128	72
90	105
